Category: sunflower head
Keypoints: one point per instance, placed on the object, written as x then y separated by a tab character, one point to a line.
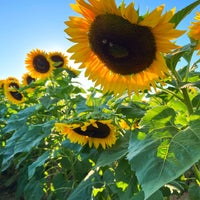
27	79
1	84
58	59
11	90
119	49
38	64
11	83
93	132
194	29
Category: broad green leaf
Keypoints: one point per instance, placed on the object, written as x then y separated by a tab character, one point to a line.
133	110
18	120
161	157
194	192
34	190
173	58
23	140
84	190
39	162
196	101
112	154
159	117
180	15
31	138
62	186
48	101
8	151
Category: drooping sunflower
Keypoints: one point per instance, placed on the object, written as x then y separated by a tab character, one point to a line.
119	49
58	59
11	90
194	30
38	64
93	132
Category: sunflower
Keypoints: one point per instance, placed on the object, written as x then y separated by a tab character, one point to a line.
93	132
194	30
38	64
11	83
11	90
119	49
1	84
59	59
27	79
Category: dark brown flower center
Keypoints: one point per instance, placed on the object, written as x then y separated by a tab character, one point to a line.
101	132
124	48
16	95
41	64
30	79
14	85
58	59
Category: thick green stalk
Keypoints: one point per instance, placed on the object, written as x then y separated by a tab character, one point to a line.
196	172
187	100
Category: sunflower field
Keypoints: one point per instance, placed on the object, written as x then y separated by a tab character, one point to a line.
133	135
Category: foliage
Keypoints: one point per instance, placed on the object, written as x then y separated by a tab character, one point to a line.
155	158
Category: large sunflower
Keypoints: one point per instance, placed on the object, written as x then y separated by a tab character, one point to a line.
119	49
194	30
93	132
38	64
11	90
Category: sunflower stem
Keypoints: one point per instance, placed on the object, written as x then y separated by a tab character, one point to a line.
170	92
186	98
196	172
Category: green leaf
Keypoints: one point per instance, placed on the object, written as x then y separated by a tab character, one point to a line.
180	15
196	101
48	101
133	110
158	117
33	190
31	138
62	186
194	192
84	190
173	58
39	162
112	154
8	152
18	120
23	140
161	157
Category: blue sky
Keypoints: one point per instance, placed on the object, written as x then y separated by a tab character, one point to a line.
31	24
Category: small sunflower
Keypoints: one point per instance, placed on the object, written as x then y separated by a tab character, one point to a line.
38	64
27	79
119	49
59	59
93	132
11	90
194	30
1	84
